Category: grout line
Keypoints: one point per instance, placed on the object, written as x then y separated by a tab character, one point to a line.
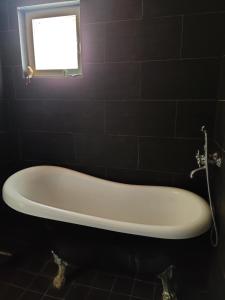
9	30
91	287
27	131
68	291
33	273
114	21
182	36
220	146
111	290
140	80
75	147
105	43
79	284
220	76
160	60
155	292
7	11
104	118
154	60
122	100
12	77
158	16
28	288
175	120
19	139
113	284
123	169
130	62
142	9
132	288
138	153
166	137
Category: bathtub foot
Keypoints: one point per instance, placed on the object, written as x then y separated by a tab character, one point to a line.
59	279
167	283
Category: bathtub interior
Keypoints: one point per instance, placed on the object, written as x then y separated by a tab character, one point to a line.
76	192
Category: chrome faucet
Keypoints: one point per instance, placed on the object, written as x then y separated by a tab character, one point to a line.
204	159
196	170
201	161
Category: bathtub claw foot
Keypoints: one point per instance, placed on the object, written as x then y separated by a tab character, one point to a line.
167	282
59	279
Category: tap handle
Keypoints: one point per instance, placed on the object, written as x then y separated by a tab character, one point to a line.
203	129
198	158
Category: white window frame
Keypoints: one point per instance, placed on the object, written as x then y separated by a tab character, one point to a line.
25	16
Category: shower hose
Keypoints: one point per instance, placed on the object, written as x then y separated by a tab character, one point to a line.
214	237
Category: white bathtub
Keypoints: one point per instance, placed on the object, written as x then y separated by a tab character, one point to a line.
69	196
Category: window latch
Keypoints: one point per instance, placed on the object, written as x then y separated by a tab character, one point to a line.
28	75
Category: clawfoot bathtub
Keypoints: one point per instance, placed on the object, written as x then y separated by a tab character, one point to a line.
69	196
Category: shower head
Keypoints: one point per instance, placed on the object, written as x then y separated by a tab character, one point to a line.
203	129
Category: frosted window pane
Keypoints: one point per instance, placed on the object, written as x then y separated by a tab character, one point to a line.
55	43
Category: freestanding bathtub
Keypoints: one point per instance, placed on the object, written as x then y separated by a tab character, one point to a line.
65	195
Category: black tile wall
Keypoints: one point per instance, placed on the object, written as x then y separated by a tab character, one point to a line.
49	147
180	79
165	150
149	82
3	15
7	90
10	48
141	118
28	115
107	150
217	279
143	177
93	45
221	89
3	116
6	151
111	10
192	115
220	124
203	35
8	147
218	290
143	40
164	8
122	81
120	41
159	38
79	116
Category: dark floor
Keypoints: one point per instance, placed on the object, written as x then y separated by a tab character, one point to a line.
30	278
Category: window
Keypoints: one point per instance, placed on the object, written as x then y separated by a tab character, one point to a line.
50	39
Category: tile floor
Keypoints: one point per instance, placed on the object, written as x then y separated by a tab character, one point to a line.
31	279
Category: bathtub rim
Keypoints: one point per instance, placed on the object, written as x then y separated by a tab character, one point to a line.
26	206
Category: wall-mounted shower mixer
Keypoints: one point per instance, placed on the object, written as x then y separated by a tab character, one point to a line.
203	161
213	159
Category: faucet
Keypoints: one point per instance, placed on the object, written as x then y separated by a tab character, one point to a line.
204	159
196	170
201	161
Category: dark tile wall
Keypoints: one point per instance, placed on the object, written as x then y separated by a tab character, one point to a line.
218	268
7	154
150	81
150	72
8	146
